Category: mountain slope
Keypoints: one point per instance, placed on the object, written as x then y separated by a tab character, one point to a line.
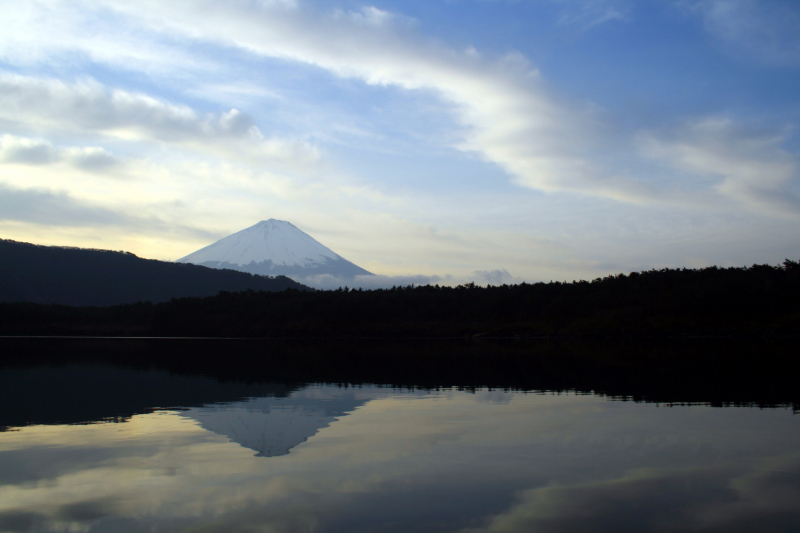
274	247
74	276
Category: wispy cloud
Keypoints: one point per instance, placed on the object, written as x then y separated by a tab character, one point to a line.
589	13
39	151
505	111
62	34
45	207
767	29
41	206
747	164
481	277
329	282
499	276
503	107
89	106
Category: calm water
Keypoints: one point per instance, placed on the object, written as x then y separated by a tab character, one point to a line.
148	450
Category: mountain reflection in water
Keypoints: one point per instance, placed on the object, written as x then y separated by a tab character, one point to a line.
273	426
150	450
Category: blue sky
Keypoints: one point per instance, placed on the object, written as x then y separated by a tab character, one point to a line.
448	140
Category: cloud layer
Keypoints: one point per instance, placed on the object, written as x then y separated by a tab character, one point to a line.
27	151
748	165
88	106
765	29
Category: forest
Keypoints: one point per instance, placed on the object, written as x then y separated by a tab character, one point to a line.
761	300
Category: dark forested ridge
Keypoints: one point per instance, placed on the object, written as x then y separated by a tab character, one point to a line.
755	301
78	277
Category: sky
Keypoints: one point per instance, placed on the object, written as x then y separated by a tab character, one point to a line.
429	140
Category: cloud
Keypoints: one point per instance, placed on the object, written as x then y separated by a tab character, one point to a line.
62	33
46	207
747	164
372	16
89	106
92	158
27	151
329	282
504	109
21	520
588	13
88	511
495	277
767	29
41	206
38	151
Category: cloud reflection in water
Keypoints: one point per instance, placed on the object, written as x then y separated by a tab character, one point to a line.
416	461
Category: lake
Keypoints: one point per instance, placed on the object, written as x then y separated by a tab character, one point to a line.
129	436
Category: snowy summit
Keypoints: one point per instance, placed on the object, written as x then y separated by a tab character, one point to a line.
272	248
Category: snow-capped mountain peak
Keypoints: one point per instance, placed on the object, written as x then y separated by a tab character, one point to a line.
274	247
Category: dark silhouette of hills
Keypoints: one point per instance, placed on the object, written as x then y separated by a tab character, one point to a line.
755	301
87	277
749	301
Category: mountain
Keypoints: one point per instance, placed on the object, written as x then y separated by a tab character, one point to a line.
274	247
75	276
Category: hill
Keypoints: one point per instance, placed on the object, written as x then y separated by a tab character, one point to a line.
752	301
82	277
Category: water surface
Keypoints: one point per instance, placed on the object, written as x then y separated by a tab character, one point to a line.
99	447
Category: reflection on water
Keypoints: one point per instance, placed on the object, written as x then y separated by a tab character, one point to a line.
373	458
272	426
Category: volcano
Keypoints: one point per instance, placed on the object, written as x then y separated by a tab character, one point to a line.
275	248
